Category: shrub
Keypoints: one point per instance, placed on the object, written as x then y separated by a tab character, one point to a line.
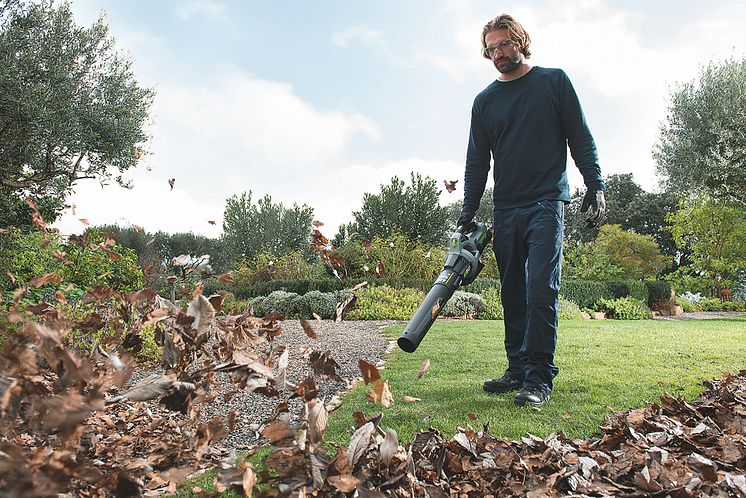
257	306
386	303
585	293
231	305
711	304
569	310
323	304
482	283
266	266
625	308
734	306
85	261
297	286
493	307
465	304
692	298
685	304
401	258
281	302
658	291
627	288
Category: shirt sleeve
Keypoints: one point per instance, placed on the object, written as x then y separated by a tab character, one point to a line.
579	138
478	155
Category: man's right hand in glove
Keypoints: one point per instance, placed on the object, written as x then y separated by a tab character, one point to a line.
466	221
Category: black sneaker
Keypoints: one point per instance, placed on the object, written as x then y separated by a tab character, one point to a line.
502	385
532	396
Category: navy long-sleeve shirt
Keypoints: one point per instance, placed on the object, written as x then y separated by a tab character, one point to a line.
526	125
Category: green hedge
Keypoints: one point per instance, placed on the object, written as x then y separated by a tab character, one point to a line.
584	293
481	284
305	286
587	294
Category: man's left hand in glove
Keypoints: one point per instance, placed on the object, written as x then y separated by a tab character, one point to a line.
596	201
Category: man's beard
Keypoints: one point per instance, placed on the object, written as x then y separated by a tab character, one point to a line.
509	64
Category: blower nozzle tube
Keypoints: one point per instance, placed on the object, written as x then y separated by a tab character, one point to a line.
461	267
427	312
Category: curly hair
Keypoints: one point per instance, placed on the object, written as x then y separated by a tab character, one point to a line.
515	33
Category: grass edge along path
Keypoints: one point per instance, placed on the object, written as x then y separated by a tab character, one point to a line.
605	366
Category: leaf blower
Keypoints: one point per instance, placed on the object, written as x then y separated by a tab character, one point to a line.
461	267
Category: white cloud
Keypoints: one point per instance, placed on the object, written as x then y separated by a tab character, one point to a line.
362	34
151	204
341	188
254	131
240	133
209	9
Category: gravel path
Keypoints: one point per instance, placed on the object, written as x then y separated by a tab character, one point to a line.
347	341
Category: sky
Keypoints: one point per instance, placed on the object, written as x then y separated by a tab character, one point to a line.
320	102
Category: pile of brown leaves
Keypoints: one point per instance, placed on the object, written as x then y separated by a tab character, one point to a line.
672	449
67	424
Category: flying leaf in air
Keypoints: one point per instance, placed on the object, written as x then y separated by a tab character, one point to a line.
317	417
171	182
369	371
381	393
307	328
226	278
450	185
380	270
324	365
423	368
435	310
47	278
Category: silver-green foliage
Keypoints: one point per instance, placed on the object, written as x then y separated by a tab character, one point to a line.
70	107
323	304
702	143
569	310
277	302
463	304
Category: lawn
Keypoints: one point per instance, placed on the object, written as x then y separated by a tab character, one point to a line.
605	366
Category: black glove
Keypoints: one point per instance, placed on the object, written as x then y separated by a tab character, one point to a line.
596	201
466	221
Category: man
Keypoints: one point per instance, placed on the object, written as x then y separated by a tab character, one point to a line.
526	120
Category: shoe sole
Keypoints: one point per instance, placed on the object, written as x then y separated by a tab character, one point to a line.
532	405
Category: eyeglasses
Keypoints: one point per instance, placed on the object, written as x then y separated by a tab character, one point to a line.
502	47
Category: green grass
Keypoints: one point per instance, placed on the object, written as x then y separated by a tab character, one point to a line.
605	366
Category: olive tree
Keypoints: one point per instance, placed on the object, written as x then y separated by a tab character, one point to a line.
70	109
702	143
